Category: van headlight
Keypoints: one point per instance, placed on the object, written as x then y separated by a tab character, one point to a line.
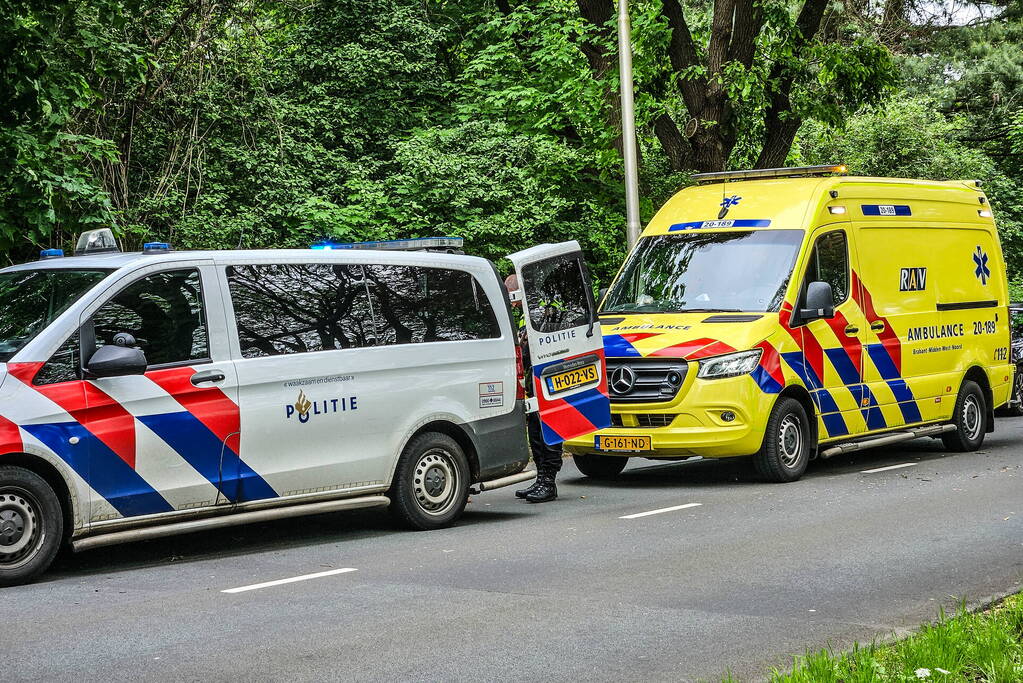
730	365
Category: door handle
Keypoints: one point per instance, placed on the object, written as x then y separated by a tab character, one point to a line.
851	329
207	376
876	326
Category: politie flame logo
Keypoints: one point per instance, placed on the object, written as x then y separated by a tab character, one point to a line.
302	405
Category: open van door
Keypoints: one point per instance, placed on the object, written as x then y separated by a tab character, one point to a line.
566	348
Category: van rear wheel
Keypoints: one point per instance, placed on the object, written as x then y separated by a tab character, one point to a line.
969	418
598	466
785	452
31	525
431	484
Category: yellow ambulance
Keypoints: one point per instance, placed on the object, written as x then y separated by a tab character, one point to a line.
793	313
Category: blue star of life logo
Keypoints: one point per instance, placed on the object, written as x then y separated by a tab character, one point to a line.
729	202
982	271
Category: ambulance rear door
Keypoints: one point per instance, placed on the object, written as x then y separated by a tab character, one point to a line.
566	349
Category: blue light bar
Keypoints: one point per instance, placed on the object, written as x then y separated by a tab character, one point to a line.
46	254
155	247
420	243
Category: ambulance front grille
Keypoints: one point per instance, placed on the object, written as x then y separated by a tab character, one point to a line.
645	380
642	420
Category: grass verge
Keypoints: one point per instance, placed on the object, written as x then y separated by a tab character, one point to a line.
982	646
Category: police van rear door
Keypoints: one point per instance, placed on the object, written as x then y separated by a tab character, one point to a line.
569	378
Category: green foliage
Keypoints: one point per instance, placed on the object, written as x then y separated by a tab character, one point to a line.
985	646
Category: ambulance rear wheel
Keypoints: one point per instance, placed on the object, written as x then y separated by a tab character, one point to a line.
431	484
31	525
785	452
970	419
598	466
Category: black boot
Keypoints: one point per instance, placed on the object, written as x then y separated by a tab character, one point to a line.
522	493
544	491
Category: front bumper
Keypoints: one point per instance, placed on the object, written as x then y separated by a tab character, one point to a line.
693	420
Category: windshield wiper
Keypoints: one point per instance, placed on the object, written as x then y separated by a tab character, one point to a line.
709	310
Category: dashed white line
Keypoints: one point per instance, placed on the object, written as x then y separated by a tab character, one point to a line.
659	511
890	467
293	579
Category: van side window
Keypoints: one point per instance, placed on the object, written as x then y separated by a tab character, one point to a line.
555	294
829	263
413	304
163	312
298	308
62	366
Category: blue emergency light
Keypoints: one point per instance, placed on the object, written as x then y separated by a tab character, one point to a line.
47	254
156	247
448	244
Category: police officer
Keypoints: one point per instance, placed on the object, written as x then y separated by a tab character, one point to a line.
548	459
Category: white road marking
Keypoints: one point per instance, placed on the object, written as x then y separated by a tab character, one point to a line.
293	579
890	467
657	512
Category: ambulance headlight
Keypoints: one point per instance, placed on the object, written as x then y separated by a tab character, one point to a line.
730	365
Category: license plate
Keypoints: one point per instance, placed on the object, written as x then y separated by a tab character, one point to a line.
564	381
623	444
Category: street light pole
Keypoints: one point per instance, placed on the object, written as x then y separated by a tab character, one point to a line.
628	124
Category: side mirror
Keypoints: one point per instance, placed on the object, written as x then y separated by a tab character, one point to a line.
601	294
115	361
819	302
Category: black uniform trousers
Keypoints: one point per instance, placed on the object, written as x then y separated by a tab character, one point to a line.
547	458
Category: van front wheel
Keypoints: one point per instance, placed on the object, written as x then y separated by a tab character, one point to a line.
598	466
785	452
431	484
969	418
31	525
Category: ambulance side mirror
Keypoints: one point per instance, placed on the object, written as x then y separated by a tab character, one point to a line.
115	361
819	302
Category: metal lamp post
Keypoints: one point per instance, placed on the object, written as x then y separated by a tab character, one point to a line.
628	124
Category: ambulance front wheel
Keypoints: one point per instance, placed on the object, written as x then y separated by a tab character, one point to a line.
598	466
785	452
431	484
969	418
31	525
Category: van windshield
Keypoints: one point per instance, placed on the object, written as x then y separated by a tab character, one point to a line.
31	299
706	272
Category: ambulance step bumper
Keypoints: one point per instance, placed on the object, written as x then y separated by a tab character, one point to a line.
226	520
886	440
502	482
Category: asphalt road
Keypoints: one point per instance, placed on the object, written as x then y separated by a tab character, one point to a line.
567	590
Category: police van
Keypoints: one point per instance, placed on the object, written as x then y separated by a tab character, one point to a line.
146	394
793	313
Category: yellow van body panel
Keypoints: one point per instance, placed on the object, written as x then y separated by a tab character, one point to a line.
928	304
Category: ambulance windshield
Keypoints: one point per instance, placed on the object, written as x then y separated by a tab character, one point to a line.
31	299
698	271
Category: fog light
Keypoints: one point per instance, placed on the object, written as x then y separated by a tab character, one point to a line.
728	416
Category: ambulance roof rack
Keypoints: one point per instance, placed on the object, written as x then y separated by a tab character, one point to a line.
450	245
753	174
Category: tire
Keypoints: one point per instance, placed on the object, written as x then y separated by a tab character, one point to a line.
970	419
31	525
1017	395
597	466
785	452
431	484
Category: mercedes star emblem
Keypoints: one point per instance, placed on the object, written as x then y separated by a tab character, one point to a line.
623	379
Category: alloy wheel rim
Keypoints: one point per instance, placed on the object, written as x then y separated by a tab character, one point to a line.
790	440
972	422
21	533
436	481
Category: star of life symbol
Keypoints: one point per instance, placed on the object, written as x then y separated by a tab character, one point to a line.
726	204
982	271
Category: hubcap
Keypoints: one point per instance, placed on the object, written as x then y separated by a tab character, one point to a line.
20	531
790	440
435	482
972	417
